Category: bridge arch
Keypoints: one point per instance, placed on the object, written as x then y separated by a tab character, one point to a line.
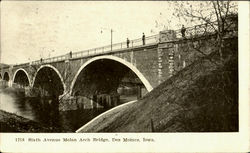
25	72
6	76
117	59
54	69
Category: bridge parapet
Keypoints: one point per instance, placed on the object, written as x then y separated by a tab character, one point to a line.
99	50
191	32
21	65
116	47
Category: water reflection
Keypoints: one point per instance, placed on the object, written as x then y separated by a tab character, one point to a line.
13	103
45	111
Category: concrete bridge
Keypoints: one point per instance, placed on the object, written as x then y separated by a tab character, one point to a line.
107	72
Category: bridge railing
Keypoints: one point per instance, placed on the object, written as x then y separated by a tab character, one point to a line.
49	60
115	47
198	30
206	29
35	62
22	65
54	59
190	31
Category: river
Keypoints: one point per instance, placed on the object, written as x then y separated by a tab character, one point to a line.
39	110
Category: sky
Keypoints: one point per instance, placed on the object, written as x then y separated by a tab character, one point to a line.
34	29
31	30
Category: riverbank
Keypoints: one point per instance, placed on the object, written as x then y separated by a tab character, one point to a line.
10	122
35	114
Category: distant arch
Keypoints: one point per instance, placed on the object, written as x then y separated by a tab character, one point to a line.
21	69
6	76
52	67
122	61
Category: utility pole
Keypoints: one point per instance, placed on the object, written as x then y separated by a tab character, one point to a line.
111	34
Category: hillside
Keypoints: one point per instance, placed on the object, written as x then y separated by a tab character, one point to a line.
203	97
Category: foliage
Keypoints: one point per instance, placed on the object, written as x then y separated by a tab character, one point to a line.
203	11
214	14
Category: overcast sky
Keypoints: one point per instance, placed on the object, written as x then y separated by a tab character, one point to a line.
34	29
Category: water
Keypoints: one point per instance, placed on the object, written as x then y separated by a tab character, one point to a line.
45	112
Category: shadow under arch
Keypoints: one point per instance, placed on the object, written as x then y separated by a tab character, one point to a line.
6	76
21	69
57	72
117	59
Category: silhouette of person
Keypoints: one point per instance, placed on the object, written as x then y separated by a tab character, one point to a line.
143	38
128	43
70	54
183	30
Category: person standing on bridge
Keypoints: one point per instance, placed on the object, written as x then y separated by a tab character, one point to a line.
70	54
183	30
128	43
143	39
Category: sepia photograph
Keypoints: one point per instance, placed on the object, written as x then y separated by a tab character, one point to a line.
119	67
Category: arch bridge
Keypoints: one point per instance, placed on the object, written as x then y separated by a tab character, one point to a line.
101	76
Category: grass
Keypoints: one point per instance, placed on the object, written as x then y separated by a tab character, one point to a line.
203	97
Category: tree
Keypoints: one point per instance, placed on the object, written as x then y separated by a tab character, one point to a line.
214	14
218	18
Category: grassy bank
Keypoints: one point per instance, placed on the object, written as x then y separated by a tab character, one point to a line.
202	97
10	122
